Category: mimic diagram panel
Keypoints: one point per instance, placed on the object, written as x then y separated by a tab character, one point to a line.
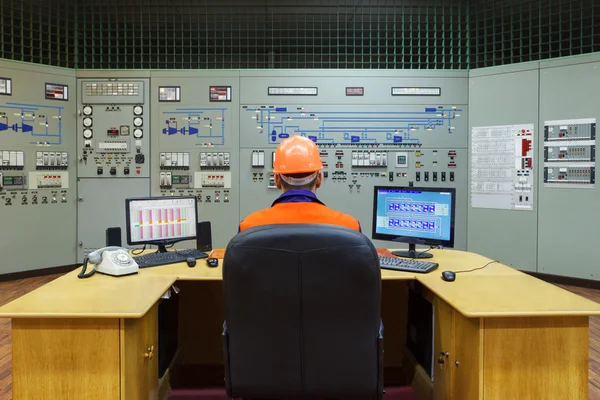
570	153
193	126
113	128
360	147
502	167
398	126
32	124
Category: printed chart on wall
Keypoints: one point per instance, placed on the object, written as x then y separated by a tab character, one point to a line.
502	167
570	153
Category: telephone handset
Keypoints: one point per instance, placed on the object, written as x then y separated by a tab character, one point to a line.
110	260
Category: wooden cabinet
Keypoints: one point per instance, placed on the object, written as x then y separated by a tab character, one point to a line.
502	358
87	358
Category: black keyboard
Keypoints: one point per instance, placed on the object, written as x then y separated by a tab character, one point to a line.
170	257
407	264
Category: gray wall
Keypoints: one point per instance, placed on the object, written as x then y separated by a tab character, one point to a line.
569	222
504	96
559	236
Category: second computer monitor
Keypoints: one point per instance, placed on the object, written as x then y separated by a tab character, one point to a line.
414	215
161	220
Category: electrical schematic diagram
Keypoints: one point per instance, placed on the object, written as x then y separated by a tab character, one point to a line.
570	153
206	125
502	167
329	127
38	124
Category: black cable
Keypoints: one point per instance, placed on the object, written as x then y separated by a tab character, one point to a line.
475	269
425	251
82	274
139	252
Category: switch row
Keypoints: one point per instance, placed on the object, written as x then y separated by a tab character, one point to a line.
174	160
51	160
220	161
369	159
434	176
12	159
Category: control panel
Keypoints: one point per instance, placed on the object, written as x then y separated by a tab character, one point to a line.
360	147
113	128
570	153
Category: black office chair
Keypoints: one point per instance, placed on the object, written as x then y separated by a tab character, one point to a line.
302	306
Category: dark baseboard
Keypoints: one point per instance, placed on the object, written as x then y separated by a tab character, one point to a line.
566	280
13	276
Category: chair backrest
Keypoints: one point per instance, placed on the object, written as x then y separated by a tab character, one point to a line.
302	306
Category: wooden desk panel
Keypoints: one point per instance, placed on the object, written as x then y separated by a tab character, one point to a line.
99	296
485	293
63	358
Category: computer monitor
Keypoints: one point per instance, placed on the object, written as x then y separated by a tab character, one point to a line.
414	215
161	221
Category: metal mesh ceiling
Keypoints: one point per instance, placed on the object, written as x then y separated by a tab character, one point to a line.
232	34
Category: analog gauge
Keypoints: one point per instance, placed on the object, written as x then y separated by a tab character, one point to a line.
87	133
87	122
87	110
137	121
138	110
138	133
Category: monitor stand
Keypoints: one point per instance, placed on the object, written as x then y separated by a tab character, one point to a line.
162	248
412	252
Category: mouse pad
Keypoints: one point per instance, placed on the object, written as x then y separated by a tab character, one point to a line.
217	253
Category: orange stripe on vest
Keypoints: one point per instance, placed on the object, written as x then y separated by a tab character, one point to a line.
299	213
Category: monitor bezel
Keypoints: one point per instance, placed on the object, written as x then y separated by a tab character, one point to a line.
158	242
412	239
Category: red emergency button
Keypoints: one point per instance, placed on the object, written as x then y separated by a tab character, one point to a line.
137	171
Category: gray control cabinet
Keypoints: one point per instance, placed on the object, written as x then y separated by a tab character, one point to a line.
37	166
195	142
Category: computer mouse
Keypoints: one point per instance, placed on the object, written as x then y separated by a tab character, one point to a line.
191	261
212	262
449	276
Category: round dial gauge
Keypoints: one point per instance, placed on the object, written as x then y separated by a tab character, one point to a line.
87	110
87	122
138	110
138	133
87	133
137	121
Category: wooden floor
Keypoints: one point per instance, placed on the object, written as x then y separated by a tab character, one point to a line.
11	290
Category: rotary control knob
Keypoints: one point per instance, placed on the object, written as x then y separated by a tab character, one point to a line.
137	121
138	110
87	122
138	133
87	110
87	133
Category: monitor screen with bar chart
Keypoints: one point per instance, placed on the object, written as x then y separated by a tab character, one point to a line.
161	220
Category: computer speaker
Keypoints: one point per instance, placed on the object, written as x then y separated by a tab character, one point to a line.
113	237
204	236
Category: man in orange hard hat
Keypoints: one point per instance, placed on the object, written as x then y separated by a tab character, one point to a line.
297	169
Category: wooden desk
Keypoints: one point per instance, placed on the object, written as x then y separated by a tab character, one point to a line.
503	334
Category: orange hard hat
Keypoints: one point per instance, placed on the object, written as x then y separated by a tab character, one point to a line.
297	155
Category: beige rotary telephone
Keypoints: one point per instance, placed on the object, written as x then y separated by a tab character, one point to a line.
115	261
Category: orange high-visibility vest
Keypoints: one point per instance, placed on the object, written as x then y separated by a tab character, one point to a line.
289	209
